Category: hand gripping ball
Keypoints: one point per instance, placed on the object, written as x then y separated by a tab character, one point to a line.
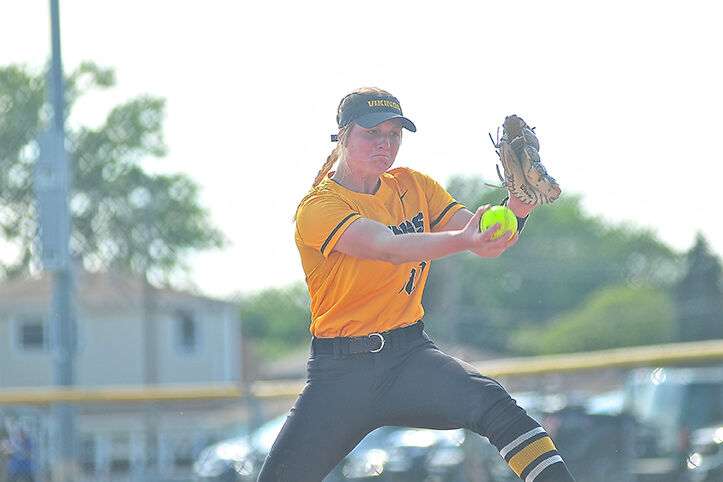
502	215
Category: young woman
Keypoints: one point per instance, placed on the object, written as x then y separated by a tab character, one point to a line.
366	234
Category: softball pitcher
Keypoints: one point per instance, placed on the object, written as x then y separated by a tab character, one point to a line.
366	234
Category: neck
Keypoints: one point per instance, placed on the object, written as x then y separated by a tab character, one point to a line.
368	185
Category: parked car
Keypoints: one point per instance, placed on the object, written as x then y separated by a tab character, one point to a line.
705	461
369	460
238	458
420	454
592	433
386	454
668	405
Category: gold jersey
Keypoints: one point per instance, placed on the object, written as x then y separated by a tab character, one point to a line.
353	296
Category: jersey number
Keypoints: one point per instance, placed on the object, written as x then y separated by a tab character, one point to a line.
411	284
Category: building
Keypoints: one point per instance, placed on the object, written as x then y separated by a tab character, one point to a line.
128	333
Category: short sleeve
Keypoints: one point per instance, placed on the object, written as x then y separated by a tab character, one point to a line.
322	219
442	205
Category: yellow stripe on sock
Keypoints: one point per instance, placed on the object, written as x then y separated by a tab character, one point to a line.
527	455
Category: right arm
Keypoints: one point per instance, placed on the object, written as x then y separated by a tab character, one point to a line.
369	239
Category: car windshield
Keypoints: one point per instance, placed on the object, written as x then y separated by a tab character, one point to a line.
677	398
703	405
652	400
696	404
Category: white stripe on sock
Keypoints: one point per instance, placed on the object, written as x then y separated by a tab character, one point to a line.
542	466
516	442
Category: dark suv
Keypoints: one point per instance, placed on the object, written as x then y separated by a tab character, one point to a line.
668	404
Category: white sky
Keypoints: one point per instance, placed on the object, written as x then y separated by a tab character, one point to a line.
626	97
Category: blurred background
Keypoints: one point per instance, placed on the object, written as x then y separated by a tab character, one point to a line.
153	314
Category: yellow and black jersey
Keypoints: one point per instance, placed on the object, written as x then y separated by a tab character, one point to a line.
352	296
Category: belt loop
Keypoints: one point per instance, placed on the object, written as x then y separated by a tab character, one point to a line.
337	347
402	336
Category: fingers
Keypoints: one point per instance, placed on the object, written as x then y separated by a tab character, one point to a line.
507	239
500	244
489	232
478	216
504	241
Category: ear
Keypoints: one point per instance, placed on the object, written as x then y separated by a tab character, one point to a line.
348	127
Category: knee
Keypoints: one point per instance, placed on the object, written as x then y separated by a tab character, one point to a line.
497	413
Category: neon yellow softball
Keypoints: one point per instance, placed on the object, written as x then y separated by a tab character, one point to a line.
502	215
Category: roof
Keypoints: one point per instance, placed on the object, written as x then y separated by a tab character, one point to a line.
101	289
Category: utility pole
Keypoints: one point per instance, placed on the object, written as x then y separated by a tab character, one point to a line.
52	190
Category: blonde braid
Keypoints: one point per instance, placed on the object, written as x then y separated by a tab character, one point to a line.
335	155
330	160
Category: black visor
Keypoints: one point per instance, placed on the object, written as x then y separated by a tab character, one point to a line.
369	110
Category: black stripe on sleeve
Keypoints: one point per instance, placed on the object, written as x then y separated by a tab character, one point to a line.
436	221
338	226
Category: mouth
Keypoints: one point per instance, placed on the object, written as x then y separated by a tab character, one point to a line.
386	157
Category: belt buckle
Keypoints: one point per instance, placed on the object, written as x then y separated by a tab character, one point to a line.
382	345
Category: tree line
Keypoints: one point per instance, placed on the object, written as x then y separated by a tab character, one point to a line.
572	283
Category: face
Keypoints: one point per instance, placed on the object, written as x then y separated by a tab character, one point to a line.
371	151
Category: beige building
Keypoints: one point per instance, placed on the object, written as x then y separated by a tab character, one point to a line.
127	333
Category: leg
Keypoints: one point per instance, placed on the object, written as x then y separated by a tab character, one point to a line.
434	390
327	421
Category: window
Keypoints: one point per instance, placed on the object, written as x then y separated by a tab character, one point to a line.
32	334
87	455
187	332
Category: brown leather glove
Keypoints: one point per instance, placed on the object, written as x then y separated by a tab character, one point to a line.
524	175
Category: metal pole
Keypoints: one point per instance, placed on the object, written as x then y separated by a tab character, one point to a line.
62	336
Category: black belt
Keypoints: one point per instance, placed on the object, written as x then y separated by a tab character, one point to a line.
373	343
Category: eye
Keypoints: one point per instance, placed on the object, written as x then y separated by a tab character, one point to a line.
372	132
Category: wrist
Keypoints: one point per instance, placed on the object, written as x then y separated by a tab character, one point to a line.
460	241
520	209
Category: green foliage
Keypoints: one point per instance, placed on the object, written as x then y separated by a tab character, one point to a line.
122	216
616	316
21	97
277	319
699	295
562	257
21	114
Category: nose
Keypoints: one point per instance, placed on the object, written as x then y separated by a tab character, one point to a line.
384	142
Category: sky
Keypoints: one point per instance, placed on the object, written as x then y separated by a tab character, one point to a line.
625	96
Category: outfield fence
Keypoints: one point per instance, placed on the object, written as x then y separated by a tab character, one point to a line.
655	355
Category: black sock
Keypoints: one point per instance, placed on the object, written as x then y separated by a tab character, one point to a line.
530	452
